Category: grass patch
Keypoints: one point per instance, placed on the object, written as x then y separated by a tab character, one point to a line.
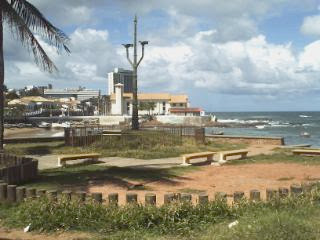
290	218
81	176
277	157
143	146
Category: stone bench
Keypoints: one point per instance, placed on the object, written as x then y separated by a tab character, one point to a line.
62	159
309	152
187	157
223	155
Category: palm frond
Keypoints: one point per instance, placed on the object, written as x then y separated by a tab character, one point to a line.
22	31
34	19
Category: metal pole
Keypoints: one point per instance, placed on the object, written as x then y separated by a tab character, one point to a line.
135	117
135	64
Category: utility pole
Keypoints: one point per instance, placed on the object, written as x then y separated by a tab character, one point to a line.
135	64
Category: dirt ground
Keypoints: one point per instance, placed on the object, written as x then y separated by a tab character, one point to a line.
6	234
226	179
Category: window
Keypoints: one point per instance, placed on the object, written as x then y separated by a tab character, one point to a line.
128	107
164	106
181	104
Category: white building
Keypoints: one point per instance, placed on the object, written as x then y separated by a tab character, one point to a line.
78	94
164	103
122	76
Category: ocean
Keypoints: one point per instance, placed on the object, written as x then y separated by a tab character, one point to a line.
289	125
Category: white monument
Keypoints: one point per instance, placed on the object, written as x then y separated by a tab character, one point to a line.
118	109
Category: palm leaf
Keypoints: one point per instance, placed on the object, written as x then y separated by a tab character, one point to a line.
21	30
34	19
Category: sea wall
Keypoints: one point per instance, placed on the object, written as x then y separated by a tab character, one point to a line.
113	120
278	141
184	120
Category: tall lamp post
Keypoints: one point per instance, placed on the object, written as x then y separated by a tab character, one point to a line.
135	64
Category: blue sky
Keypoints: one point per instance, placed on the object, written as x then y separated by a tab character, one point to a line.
241	55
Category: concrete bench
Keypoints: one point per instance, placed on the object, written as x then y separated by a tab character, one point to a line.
223	155
309	152
62	159
187	157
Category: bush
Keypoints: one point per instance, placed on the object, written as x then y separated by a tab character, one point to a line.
177	218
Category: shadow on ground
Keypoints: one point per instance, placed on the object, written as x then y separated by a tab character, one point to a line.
81	177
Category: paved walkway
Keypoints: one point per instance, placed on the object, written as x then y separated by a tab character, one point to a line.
50	161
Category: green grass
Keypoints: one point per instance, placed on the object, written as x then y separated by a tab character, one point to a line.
81	176
291	218
149	147
277	157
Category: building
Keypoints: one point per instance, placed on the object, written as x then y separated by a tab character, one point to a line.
121	103
78	94
34	103
122	76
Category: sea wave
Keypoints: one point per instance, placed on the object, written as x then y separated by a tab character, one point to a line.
305	116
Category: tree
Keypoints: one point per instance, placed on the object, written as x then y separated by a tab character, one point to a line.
24	20
33	92
147	106
11	95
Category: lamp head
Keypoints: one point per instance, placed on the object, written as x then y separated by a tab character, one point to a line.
127	45
144	42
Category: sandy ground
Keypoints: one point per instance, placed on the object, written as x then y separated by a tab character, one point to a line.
225	178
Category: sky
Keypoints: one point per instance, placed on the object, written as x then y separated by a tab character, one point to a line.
239	55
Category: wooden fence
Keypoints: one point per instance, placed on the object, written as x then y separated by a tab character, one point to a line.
16	170
12	194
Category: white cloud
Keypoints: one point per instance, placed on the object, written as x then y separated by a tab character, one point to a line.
92	56
251	67
311	25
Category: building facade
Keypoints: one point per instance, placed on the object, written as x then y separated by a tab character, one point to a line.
122	76
154	103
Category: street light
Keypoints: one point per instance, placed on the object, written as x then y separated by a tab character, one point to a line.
135	64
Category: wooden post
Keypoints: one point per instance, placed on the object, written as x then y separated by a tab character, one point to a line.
271	194
11	193
296	190
283	192
168	198
52	195
67	140
41	193
186	197
21	194
66	195
131	198
220	196
238	196
3	192
81	196
150	199
306	187
113	198
31	193
97	197
255	195
203	198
